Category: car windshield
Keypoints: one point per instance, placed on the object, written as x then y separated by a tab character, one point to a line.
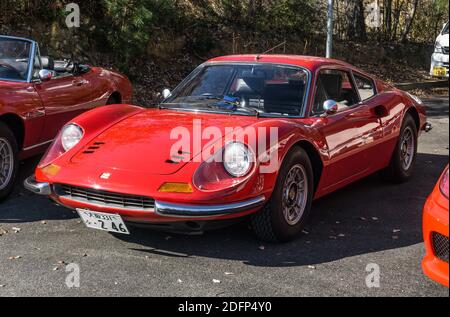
445	30
14	59
258	88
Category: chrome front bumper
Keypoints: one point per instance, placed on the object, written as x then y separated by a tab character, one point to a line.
161	208
182	210
38	188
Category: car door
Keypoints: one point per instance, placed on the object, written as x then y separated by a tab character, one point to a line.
64	97
350	133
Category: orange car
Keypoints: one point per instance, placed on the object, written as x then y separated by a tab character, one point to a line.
435	232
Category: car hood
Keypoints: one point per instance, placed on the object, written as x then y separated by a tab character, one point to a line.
443	40
142	143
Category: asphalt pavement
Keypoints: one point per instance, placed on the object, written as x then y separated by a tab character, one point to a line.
367	227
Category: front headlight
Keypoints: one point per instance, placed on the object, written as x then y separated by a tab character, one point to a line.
237	159
71	134
438	48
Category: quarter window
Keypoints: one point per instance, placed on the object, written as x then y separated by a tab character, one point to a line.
334	85
365	86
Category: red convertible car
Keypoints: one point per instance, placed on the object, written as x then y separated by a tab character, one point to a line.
38	95
248	135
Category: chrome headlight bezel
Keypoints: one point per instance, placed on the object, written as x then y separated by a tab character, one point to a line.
71	135
238	159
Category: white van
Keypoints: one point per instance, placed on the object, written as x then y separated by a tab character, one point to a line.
439	59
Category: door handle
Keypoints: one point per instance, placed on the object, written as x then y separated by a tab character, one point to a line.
78	82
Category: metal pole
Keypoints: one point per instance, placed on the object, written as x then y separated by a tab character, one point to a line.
330	29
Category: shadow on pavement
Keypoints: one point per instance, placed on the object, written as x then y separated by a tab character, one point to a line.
368	216
24	206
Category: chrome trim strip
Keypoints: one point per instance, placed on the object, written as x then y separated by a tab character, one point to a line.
177	210
38	188
37	145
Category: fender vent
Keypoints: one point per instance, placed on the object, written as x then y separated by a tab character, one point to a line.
93	147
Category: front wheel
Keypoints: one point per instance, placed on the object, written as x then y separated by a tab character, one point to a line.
8	161
285	215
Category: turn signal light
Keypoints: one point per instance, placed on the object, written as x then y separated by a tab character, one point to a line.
51	169
176	188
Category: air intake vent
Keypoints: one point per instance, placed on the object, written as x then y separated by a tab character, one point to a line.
440	246
105	199
93	147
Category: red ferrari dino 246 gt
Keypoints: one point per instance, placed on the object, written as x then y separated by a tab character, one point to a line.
38	95
248	135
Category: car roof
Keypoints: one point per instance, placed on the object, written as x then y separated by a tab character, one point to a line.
309	62
15	38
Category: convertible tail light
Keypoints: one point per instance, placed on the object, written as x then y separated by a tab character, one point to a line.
444	183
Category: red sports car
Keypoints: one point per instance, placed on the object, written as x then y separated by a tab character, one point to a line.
248	135
38	95
435	232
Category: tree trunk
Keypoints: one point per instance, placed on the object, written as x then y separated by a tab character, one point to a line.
410	21
356	25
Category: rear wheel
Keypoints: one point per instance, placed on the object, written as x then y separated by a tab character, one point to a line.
404	157
285	215
8	161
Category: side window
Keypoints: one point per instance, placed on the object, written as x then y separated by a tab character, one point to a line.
366	87
335	85
36	64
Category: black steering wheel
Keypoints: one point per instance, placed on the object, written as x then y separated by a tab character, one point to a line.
12	69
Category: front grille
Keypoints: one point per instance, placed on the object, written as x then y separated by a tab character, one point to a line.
440	246
104	198
445	50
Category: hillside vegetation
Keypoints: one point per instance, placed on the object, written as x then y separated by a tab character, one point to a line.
157	42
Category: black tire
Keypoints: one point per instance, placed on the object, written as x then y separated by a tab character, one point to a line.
397	172
8	143
112	100
270	224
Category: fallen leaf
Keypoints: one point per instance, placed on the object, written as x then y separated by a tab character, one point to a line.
15	257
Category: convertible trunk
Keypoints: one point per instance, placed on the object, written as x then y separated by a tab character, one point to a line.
143	142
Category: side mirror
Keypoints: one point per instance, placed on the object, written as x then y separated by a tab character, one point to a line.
330	106
166	93
45	75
